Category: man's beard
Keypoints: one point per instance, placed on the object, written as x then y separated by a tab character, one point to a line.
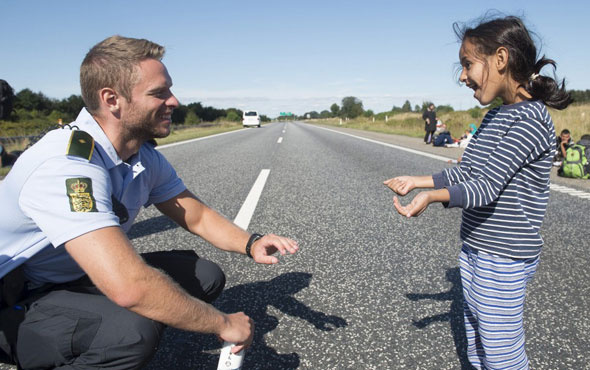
143	128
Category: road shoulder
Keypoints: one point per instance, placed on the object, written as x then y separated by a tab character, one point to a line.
451	153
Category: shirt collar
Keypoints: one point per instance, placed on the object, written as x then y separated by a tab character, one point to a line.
87	123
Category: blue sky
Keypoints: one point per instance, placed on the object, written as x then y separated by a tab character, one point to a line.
277	56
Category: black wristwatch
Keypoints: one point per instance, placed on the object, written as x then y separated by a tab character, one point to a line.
254	237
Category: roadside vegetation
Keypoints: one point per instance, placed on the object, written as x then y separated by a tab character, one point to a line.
187	133
407	119
4	171
178	133
575	118
32	113
27	114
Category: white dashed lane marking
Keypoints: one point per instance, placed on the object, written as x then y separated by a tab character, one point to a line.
245	214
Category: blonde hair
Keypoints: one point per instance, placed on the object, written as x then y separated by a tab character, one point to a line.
113	63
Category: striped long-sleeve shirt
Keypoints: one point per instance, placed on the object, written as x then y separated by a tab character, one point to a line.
502	182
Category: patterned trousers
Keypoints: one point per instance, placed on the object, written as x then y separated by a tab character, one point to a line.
494	292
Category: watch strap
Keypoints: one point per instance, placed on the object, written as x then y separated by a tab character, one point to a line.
254	237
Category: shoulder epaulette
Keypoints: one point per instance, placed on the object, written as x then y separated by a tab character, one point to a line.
81	144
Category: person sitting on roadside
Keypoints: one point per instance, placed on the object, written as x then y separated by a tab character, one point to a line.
564	141
466	138
439	126
444	137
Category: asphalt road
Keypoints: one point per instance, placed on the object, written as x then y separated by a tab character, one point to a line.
369	289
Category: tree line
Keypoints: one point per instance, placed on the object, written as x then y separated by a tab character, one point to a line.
29	106
352	107
580	96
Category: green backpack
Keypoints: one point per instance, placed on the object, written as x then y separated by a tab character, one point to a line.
577	161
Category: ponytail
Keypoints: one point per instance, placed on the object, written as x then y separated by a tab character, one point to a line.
494	31
546	88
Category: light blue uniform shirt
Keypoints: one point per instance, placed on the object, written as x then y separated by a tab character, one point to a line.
36	216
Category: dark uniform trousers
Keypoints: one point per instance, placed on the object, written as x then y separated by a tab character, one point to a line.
74	326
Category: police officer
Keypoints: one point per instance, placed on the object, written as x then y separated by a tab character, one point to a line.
86	299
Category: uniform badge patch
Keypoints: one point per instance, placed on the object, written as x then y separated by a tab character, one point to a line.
79	191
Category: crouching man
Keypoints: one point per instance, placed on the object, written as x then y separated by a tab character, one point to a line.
75	293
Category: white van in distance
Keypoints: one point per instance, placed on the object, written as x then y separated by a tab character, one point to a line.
251	118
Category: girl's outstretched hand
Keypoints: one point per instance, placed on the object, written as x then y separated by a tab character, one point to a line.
401	185
415	207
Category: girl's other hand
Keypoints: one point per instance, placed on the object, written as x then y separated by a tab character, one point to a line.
401	185
415	207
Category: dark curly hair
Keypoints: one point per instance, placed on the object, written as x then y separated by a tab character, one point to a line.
523	65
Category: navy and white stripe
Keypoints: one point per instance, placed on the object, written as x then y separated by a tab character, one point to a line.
502	182
494	290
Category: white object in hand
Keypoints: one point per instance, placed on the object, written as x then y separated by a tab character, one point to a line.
229	360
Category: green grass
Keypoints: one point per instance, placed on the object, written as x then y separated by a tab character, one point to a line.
9	148
575	118
196	132
9	128
175	136
407	124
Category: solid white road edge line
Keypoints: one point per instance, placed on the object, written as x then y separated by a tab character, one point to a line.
192	140
555	187
429	155
570	191
245	214
197	139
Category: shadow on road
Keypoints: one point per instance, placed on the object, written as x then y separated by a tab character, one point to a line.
151	226
190	350
454	316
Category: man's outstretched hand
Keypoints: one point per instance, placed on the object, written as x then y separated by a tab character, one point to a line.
264	248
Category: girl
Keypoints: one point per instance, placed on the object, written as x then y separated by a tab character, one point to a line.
502	184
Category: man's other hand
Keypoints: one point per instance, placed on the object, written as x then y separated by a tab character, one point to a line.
239	329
